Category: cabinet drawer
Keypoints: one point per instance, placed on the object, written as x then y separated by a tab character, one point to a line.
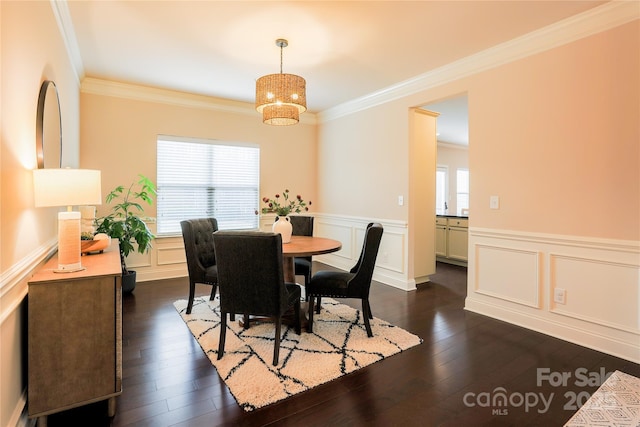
441	221
455	222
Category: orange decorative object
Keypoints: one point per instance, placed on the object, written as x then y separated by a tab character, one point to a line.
88	246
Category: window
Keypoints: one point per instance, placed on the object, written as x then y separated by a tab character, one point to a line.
201	178
442	184
462	190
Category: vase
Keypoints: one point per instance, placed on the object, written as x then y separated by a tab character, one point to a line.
284	227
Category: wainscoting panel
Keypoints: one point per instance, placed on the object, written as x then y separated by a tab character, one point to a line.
392	261
507	273
340	232
137	260
610	285
166	258
171	252
513	276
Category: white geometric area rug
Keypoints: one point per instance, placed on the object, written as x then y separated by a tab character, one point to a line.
338	345
616	403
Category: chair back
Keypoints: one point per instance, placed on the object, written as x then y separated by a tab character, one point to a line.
363	269
197	235
302	225
250	272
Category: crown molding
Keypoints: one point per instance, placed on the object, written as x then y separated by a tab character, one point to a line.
444	144
598	19
67	32
95	86
593	21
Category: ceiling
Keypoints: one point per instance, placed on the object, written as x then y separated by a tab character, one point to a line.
344	49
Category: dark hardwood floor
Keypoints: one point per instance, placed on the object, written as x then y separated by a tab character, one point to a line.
451	379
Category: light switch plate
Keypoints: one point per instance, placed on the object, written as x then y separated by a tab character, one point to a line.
400	200
494	202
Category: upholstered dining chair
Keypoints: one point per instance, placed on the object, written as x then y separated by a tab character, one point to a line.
302	226
251	281
197	235
353	284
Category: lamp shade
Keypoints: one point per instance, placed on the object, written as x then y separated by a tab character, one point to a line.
281	98
281	89
66	187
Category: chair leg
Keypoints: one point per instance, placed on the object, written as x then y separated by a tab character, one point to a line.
246	321
310	320
223	334
366	315
213	292
296	312
276	343
192	293
318	305
369	310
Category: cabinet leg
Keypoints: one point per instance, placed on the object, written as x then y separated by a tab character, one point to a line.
112	407
42	421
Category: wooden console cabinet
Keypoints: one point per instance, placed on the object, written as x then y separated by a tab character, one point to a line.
75	335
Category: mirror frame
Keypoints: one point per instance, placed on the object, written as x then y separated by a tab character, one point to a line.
49	106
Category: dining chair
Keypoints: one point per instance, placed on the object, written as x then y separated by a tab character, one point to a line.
302	226
251	281
353	284
197	235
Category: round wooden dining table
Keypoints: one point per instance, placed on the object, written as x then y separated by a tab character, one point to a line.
302	246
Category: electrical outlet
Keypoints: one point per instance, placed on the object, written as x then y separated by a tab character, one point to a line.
559	296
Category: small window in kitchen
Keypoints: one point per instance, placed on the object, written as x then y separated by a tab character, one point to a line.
462	190
442	185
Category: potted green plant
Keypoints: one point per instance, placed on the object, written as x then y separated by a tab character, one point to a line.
125	224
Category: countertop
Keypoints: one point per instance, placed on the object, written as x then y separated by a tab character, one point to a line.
453	216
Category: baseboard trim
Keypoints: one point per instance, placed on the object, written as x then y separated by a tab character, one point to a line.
575	335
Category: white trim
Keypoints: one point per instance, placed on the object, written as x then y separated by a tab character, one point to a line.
68	34
598	19
18	273
363	220
600	277
631	246
19	417
442	144
601	342
94	86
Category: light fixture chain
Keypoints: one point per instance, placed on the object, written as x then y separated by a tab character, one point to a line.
281	47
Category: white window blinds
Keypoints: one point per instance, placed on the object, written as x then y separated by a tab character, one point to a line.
200	179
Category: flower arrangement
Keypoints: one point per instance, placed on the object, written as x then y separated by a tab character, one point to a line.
281	205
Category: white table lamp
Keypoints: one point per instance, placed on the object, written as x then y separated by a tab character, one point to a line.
67	187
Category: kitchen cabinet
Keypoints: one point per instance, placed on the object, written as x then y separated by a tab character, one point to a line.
75	335
452	239
441	237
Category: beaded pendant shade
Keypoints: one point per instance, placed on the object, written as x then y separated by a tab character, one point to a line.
281	97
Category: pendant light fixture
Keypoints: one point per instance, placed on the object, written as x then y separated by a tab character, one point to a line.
281	97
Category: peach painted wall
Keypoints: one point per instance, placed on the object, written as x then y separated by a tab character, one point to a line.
119	137
555	135
32	51
363	162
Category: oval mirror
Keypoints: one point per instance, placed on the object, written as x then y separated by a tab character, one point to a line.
48	127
